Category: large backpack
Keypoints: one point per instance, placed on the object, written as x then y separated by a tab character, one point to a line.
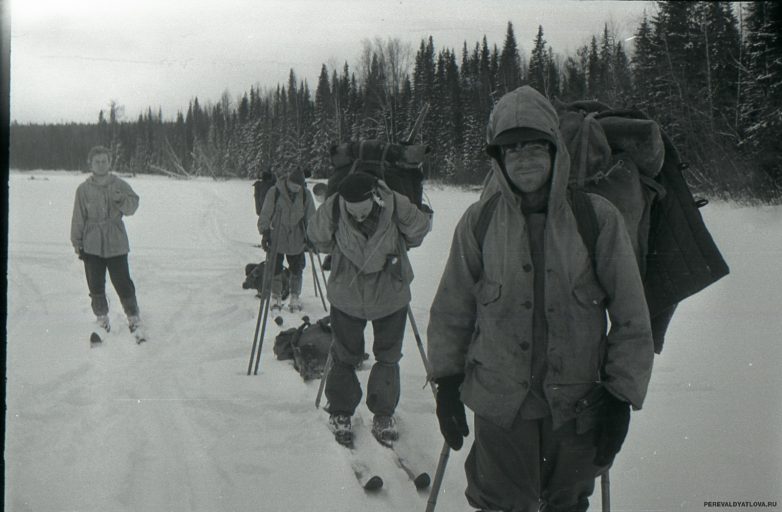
308	345
625	157
396	164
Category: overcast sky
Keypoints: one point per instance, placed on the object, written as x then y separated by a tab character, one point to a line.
69	59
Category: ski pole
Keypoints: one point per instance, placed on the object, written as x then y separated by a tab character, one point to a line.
326	369
317	283
438	477
320	265
270	272
446	450
257	328
605	492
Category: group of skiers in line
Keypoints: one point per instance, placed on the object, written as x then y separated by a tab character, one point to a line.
517	329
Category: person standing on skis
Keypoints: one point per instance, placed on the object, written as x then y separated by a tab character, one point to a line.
286	211
517	329
367	228
99	238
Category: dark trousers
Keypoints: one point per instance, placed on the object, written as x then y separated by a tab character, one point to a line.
296	264
95	269
343	390
530	465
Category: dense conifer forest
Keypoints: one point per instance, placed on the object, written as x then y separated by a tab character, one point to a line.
709	72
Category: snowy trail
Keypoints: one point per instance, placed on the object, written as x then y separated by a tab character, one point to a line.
177	425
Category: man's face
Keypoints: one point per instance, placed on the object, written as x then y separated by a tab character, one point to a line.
360	210
528	164
100	164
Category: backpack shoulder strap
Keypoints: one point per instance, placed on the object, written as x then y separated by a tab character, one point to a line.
586	218
484	219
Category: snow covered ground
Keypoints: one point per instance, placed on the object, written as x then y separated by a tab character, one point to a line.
177	425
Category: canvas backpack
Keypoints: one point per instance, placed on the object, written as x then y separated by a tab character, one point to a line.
398	165
626	158
307	345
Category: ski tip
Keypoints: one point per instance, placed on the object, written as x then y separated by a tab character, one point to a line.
373	484
95	339
278	320
422	481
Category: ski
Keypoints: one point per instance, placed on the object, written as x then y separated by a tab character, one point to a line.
139	335
369	481
420	480
364	476
95	340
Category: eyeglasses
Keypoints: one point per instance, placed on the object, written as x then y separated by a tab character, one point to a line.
527	146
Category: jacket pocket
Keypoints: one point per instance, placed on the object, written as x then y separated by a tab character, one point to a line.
588	292
487	291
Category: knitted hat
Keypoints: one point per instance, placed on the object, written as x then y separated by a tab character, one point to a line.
357	187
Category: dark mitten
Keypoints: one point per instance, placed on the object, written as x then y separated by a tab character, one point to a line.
327	263
612	427
450	410
266	240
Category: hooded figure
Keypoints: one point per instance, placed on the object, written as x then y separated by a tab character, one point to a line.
286	210
518	329
367	228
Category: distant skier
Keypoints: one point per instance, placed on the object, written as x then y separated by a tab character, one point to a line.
99	238
293	203
367	228
517	329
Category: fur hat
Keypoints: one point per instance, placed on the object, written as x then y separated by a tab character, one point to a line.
357	187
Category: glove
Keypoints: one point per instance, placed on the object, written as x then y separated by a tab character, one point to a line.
327	263
79	252
450	411
266	240
612	426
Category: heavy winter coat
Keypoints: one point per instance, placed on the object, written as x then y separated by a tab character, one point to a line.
96	224
294	211
481	318
370	277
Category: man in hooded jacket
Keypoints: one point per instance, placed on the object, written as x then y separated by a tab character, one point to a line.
517	329
286	210
99	238
367	228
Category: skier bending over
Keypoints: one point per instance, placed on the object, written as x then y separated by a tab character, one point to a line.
517	329
99	238
367	228
292	203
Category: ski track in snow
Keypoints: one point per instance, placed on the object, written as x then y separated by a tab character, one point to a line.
175	424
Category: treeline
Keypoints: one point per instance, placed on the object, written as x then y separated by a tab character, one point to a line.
710	75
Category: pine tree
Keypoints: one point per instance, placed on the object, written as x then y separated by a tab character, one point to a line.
537	63
509	69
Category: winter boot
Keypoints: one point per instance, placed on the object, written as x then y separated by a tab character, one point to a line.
276	303
295	303
103	322
384	429
343	430
134	323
